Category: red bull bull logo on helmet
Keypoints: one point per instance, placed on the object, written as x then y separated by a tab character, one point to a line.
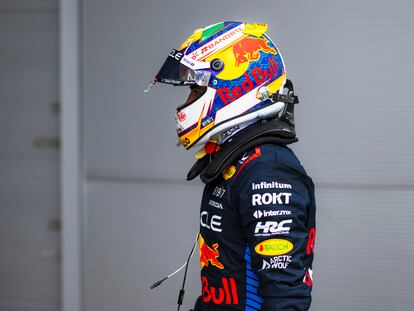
209	255
248	49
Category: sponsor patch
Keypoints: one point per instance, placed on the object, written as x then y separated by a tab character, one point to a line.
181	116
270	185
229	172
272	227
274	247
243	158
225	293
229	132
271	198
216	44
212	222
176	54
215	204
259	214
209	255
278	262
219	191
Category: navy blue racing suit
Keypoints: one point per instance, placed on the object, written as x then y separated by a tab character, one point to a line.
257	234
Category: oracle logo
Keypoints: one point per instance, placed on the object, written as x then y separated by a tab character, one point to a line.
212	222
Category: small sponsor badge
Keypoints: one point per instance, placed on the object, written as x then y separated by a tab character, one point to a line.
273	247
229	172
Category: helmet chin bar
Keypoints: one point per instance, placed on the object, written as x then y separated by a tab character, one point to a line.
281	108
266	112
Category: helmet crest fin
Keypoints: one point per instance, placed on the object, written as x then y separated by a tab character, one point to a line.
255	29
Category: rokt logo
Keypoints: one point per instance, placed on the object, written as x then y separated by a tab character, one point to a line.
271	198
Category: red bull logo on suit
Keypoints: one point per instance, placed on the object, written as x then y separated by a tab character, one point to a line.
226	293
209	255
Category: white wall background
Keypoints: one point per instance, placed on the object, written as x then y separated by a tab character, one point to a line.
352	65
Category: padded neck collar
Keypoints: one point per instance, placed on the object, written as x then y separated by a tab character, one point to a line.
276	131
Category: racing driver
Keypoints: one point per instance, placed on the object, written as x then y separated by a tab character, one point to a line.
257	217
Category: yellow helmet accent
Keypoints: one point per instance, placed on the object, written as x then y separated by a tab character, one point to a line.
194	37
255	29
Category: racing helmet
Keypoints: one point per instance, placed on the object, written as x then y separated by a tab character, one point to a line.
233	68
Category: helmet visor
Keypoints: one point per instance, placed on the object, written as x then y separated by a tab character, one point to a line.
176	73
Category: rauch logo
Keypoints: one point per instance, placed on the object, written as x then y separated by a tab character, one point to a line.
273	247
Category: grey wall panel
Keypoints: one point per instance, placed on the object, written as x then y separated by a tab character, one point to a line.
27	305
351	62
29	224
28	5
29	84
29	247
354	117
364	253
135	235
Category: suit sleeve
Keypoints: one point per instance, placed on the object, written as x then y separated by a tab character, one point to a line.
273	205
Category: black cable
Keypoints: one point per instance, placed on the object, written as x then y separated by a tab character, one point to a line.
182	291
156	284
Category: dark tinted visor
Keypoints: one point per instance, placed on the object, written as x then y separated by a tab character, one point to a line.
173	72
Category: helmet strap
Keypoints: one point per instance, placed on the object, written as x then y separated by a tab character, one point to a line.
290	99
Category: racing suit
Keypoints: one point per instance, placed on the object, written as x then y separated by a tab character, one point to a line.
257	234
